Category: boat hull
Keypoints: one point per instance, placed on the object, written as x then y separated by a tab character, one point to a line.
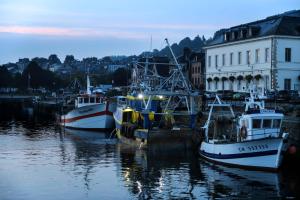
264	154
92	117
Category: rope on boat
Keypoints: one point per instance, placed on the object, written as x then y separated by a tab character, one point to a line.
112	133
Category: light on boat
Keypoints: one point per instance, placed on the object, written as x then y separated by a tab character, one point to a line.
140	96
160	96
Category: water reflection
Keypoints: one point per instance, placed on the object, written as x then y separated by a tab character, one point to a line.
158	176
183	175
40	161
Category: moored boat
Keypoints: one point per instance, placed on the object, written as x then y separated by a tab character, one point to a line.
92	112
160	111
258	141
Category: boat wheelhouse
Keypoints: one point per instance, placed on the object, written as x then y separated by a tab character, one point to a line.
87	100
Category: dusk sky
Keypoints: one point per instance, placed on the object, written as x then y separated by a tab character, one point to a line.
85	28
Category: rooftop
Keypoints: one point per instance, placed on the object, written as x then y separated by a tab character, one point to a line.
287	23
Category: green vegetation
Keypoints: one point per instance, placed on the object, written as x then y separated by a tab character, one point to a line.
33	76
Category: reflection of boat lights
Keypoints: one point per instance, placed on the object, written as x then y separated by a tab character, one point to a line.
126	176
139	186
140	96
161	185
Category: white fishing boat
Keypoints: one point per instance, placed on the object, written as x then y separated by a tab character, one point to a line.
258	141
92	112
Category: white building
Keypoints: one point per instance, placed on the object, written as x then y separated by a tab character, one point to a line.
265	52
113	68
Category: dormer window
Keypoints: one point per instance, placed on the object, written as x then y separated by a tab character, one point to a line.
227	36
233	35
241	34
250	32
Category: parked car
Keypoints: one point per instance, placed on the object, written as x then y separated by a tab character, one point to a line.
209	95
272	95
294	95
240	95
225	94
287	95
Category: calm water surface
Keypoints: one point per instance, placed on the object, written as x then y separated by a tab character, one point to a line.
39	161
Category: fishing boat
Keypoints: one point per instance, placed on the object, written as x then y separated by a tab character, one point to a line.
93	111
257	142
153	111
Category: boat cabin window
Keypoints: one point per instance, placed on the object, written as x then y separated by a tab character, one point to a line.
97	99
276	123
92	100
86	100
267	123
256	123
80	100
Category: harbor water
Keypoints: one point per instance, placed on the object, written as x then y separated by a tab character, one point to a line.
38	160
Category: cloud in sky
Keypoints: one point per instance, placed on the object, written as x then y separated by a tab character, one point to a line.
128	22
129	31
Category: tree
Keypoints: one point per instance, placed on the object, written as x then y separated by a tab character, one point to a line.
5	77
35	77
53	59
32	75
121	77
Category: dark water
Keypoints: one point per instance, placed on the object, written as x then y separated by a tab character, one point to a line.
39	161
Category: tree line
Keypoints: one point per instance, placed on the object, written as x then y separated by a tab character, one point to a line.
36	77
33	76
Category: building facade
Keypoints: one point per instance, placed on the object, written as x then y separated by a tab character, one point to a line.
265	52
197	70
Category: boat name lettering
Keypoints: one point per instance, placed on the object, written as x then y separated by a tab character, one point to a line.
253	147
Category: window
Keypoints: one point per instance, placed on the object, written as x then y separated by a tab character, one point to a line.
288	53
209	61
248	57
216	85
257	56
80	100
231	58
216	61
92	100
256	123
239	58
276	123
223	60
287	84
267	54
97	99
86	100
267	123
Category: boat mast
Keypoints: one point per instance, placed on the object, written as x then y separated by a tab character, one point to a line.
88	83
